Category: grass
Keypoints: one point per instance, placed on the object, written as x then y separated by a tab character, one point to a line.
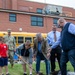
17	69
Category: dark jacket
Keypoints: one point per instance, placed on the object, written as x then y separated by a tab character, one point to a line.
67	39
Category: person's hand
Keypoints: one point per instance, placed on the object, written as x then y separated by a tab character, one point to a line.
49	50
48	55
20	57
14	50
7	55
34	57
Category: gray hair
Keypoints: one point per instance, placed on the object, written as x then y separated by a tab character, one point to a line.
38	35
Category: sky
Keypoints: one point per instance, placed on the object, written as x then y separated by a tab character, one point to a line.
68	3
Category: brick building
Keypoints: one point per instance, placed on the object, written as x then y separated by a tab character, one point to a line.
27	16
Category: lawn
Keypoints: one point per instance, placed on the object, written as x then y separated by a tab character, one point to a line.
17	69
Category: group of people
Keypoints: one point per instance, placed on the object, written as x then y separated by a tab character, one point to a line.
60	45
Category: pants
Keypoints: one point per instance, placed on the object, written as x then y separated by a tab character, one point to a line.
65	57
47	62
55	53
11	54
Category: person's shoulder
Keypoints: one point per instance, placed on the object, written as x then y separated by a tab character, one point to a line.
4	44
35	39
21	45
30	48
12	36
57	31
71	24
50	32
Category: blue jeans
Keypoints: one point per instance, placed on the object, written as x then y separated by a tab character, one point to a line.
65	57
47	62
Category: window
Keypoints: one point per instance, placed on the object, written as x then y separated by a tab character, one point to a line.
20	39
36	21
55	21
12	17
39	10
28	38
15	39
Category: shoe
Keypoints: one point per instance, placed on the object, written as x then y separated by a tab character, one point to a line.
24	74
46	74
30	74
40	73
12	65
55	73
8	74
37	74
2	74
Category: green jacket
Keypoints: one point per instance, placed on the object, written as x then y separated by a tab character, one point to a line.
44	49
10	41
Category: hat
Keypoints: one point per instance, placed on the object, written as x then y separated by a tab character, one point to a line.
9	30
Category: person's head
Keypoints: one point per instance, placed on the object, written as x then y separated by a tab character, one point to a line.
39	36
54	28
27	44
61	22
9	32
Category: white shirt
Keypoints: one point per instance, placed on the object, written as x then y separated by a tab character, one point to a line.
50	37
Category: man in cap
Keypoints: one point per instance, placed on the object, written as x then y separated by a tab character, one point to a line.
10	41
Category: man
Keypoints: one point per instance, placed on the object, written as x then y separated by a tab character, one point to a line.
56	52
41	52
27	55
67	41
10	41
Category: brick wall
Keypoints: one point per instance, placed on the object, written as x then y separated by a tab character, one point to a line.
24	20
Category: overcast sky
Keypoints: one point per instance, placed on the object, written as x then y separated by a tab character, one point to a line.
68	3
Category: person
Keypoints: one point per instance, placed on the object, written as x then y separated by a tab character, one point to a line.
67	41
41	52
57	11
3	57
10	41
52	36
27	54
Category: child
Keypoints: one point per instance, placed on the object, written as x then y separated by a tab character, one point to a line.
27	54
3	56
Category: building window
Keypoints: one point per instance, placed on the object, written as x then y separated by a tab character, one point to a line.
36	21
39	10
12	17
55	21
